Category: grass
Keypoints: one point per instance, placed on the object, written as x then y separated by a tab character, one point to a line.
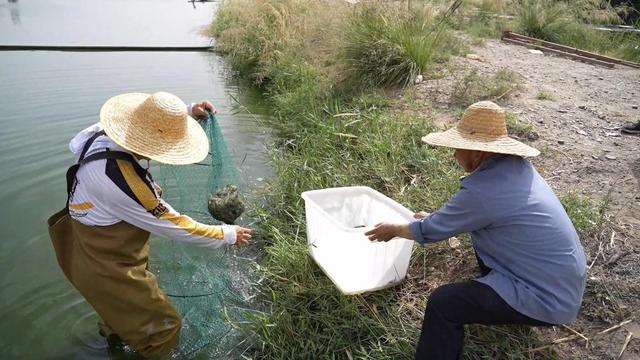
545	19
384	46
520	129
587	216
545	95
484	18
308	318
565	22
329	136
475	87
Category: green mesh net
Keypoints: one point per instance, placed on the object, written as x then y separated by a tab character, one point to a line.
202	283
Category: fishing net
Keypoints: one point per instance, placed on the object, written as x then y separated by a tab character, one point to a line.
201	282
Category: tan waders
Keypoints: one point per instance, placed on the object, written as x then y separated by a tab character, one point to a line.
107	264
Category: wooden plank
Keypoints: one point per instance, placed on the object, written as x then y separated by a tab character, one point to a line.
569	49
101	48
561	53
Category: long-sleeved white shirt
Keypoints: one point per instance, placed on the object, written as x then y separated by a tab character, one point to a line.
113	190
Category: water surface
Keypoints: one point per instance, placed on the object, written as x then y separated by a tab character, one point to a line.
47	97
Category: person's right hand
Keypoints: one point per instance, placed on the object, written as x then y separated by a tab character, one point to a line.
242	236
421	215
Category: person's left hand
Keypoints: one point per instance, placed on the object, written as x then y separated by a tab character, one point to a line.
199	110
383	232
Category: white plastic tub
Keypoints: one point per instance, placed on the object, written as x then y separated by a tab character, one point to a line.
337	219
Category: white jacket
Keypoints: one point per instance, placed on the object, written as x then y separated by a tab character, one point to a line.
113	190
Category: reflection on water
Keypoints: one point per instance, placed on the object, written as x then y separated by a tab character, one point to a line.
45	98
15	12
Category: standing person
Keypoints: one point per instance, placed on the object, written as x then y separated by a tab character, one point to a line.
101	238
533	265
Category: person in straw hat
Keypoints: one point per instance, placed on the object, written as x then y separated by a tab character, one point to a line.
101	238
533	268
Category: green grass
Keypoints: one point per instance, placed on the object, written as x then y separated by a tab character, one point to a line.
383	47
545	19
586	215
308	318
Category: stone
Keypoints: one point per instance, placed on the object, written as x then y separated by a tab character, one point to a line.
635	107
226	205
454	243
473	57
561	142
610	157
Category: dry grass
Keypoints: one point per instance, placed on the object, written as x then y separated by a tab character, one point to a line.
256	33
474	87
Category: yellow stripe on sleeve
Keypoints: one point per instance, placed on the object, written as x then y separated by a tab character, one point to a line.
81	206
152	204
140	189
192	227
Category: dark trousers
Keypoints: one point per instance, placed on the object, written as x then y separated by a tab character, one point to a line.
452	306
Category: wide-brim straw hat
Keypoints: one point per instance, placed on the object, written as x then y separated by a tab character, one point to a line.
156	126
482	127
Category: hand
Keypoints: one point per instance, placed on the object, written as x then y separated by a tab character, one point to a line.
383	232
242	236
421	215
199	110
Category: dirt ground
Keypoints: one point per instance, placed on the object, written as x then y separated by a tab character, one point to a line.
582	151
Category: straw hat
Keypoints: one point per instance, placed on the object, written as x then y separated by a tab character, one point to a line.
156	126
483	128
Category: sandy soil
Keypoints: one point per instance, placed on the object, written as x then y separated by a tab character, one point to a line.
582	151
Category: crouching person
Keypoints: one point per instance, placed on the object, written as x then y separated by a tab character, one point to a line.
532	263
101	238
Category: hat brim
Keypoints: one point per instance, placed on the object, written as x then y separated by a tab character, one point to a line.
116	118
502	145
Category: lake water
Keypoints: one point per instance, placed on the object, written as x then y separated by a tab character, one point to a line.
46	98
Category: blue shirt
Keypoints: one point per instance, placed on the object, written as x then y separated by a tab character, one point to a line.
520	229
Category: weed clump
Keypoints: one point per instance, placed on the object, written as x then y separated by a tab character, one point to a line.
475	87
545	95
385	47
587	217
519	128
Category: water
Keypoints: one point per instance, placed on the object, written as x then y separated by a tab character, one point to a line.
47	97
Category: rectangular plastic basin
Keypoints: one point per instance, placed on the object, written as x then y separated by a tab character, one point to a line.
337	219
